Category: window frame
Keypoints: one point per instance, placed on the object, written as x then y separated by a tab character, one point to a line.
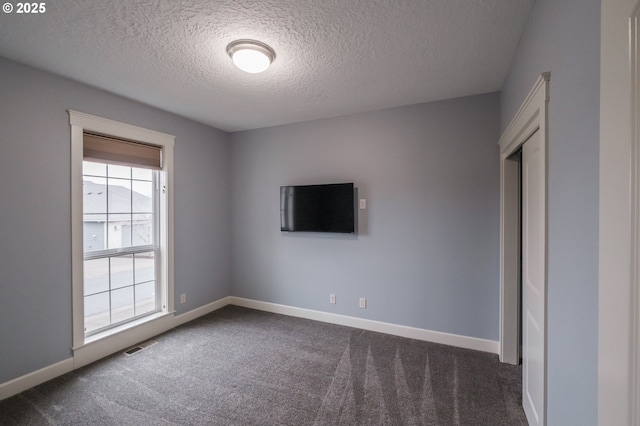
81	122
133	250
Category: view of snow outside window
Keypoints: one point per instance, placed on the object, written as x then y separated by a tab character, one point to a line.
120	251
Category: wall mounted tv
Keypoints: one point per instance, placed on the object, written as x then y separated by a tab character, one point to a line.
318	208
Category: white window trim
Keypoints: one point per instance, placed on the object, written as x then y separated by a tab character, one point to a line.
120	337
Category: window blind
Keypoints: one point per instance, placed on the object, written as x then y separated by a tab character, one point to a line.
107	149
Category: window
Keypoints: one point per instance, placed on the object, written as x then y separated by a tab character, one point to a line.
121	227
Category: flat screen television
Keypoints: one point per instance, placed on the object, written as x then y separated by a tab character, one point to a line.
318	208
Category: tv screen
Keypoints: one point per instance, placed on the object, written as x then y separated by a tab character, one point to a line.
317	208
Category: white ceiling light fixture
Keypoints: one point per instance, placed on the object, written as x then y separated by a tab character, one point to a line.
251	56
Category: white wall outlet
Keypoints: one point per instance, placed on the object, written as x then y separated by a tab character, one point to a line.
183	298
363	303
363	203
332	298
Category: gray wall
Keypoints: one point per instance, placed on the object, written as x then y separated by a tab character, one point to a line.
426	254
35	223
563	37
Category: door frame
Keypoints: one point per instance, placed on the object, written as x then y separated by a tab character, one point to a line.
531	116
619	215
635	215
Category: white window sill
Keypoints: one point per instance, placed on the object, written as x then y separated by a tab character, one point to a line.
124	327
119	338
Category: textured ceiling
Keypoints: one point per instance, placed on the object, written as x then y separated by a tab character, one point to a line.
334	57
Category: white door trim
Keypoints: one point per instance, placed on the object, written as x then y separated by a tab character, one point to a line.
531	116
619	215
635	215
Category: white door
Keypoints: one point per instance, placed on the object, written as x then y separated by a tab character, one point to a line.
533	279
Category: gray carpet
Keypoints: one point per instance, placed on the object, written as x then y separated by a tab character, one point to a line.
239	366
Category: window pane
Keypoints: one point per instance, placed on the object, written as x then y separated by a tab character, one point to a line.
142	230
121	271
119	171
96	311
94	169
119	231
118	212
121	304
141	174
94	199
145	297
94	232
96	276
119	200
145	267
142	196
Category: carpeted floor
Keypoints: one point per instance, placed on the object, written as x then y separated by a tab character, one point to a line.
238	366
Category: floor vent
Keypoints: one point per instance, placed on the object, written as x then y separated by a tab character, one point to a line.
137	348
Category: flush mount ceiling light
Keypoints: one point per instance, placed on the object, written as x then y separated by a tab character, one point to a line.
250	55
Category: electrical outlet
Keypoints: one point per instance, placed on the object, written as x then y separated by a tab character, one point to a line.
363	303
332	298
183	298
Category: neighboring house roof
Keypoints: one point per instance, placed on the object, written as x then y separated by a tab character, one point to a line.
121	199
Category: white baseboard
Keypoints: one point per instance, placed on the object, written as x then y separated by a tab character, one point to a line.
101	348
22	383
98	349
466	342
203	310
